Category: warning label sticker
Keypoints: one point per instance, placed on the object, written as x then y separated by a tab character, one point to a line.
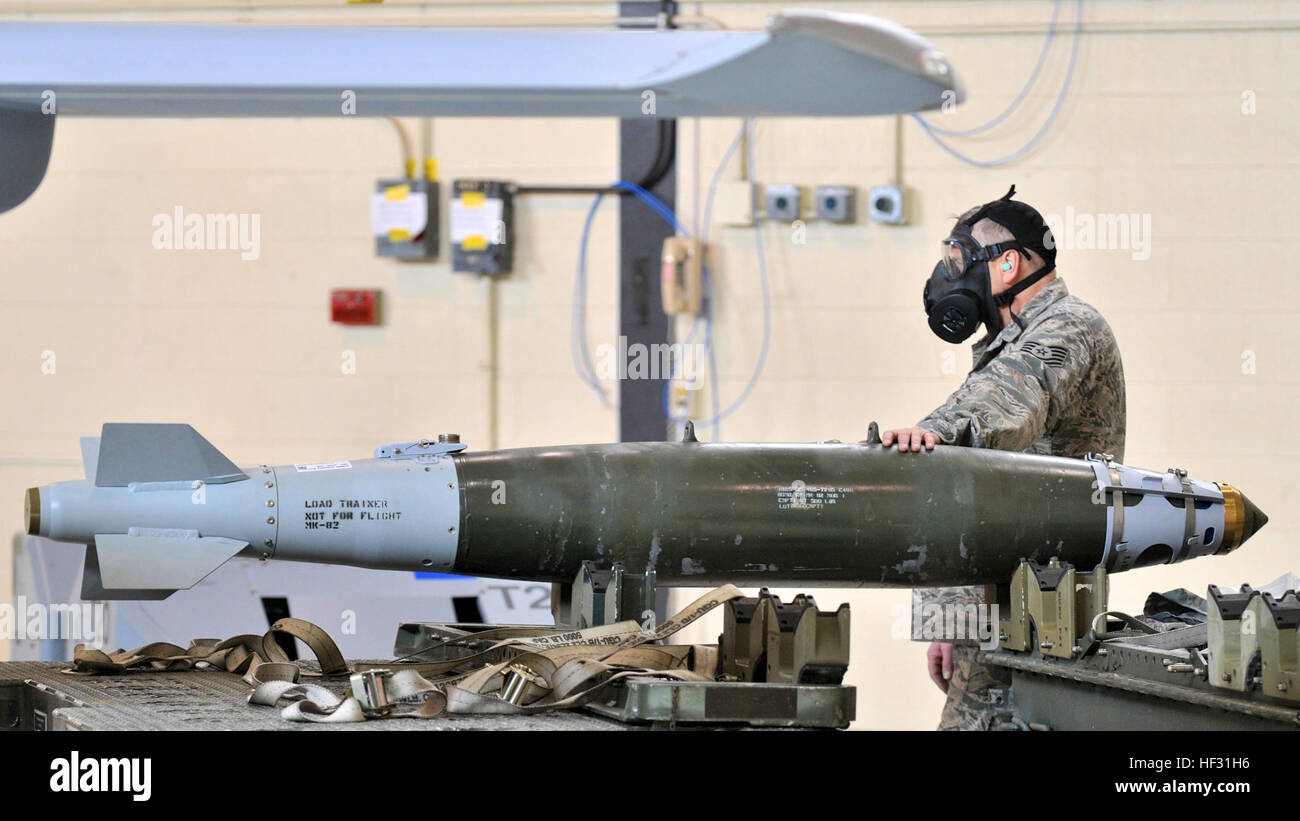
323	466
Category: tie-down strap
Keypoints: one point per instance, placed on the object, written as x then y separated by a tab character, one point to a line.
246	655
559	670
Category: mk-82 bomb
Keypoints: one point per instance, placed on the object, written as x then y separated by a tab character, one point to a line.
161	508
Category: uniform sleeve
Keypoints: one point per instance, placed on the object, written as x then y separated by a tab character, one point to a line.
935	611
1007	404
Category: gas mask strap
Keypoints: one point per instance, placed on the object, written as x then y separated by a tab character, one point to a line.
1004	299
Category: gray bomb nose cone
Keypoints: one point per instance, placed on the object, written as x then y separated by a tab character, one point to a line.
1254	518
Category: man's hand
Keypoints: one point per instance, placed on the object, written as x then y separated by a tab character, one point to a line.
909	439
938	660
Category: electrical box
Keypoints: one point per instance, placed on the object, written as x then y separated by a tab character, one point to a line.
481	226
835	203
733	204
888	204
783	202
682	284
349	306
404	218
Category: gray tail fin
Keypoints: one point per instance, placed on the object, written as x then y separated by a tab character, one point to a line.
149	563
92	584
145	452
90	456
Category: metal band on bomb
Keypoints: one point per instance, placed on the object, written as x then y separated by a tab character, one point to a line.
1146	510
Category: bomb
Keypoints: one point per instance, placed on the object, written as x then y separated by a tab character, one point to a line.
160	508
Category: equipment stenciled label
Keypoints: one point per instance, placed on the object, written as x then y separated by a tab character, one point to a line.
323	466
329	514
800	495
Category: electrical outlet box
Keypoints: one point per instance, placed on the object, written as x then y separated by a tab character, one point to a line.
404	218
835	203
888	204
783	202
481	226
733	204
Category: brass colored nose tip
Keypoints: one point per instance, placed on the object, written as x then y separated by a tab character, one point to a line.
1241	519
32	511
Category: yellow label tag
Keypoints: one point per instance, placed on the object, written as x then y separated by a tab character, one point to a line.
399	235
395	193
474	243
473	199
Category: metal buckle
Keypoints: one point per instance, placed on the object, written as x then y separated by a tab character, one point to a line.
517	684
369	690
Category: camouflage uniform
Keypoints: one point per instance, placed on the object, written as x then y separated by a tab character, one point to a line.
1050	382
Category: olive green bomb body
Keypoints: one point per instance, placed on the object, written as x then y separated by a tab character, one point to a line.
808	514
696	514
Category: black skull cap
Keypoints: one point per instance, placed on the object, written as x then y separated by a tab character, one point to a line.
1022	220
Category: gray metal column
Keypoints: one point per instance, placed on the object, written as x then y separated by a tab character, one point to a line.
641	234
641	316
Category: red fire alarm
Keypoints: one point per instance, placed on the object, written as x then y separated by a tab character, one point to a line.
352	307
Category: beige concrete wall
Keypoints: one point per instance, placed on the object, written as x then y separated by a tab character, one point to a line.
1154	125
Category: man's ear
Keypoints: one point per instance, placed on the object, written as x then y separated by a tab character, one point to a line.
1008	267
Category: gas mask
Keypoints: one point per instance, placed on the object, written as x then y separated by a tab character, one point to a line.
958	296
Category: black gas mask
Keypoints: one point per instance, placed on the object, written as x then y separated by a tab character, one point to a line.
958	296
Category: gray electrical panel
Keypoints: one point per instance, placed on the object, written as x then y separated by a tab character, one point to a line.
404	218
481	226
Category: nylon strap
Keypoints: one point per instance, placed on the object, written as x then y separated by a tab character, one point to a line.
327	652
243	654
560	670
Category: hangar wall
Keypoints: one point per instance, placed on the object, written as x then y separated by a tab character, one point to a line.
1178	113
